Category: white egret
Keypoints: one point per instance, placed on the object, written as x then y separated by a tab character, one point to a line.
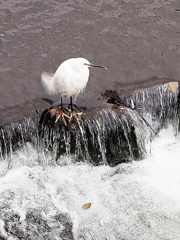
70	79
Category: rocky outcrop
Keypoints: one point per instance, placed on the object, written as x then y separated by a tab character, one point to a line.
103	136
113	133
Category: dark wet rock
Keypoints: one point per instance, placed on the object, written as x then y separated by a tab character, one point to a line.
66	222
115	132
137	40
35	226
104	135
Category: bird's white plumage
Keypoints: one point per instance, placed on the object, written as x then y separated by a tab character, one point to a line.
70	79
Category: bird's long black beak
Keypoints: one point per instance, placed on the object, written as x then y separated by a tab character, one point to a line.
93	65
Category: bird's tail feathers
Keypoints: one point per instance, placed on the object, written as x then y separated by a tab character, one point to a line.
48	82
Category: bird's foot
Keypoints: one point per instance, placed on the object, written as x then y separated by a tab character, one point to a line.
59	113
74	107
66	114
73	114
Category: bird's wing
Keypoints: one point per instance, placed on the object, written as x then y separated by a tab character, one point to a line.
64	81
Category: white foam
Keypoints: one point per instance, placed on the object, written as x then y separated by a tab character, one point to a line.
138	200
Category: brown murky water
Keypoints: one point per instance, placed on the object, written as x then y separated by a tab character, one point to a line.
137	40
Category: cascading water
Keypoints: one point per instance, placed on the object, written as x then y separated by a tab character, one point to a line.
158	105
109	138
47	176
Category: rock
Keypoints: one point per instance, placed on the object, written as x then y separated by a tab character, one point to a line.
104	135
35	226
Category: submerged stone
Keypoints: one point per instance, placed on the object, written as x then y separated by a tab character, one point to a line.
34	225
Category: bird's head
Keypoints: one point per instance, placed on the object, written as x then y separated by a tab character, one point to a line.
82	62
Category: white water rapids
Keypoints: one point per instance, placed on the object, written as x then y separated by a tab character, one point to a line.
137	200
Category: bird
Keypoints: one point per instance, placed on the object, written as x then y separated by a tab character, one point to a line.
69	80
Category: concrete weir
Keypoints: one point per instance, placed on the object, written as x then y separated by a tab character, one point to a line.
113	133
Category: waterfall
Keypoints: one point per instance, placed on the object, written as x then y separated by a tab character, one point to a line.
158	105
111	135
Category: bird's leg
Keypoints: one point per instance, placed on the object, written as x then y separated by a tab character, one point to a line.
66	113
75	112
71	104
61	103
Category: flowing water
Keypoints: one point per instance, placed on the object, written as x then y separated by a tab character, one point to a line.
134	200
137	200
